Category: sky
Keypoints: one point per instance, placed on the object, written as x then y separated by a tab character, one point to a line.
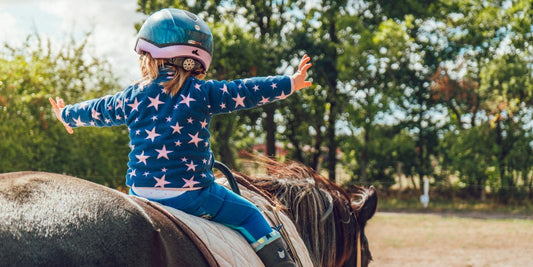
110	21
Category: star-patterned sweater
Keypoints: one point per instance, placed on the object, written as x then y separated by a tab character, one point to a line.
169	136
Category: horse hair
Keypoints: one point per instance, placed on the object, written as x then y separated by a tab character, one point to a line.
320	209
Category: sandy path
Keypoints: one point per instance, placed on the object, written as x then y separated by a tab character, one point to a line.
401	239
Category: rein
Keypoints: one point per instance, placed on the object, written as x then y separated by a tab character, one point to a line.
358	248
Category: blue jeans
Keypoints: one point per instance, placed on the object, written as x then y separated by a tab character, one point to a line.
222	205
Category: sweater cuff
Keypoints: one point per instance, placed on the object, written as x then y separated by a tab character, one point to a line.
292	85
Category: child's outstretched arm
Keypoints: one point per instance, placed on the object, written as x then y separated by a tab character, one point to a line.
57	110
226	97
301	74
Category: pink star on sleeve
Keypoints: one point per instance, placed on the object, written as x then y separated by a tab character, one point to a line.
264	100
134	105
96	114
79	122
119	103
224	89
282	96
239	101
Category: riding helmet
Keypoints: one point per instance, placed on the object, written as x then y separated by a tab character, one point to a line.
175	33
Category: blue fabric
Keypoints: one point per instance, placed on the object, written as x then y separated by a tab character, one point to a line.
221	205
170	134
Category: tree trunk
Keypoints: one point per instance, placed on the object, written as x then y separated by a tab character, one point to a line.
331	99
317	152
399	174
270	127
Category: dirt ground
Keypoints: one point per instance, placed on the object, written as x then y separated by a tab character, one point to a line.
403	239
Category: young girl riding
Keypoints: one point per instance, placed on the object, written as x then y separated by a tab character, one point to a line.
168	114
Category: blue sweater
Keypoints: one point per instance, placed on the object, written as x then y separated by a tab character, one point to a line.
169	136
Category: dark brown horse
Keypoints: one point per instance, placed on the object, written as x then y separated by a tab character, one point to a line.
57	220
330	222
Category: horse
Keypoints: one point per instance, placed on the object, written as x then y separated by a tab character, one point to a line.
54	219
330	221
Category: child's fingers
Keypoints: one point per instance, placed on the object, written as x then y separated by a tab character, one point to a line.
305	68
69	130
53	103
303	61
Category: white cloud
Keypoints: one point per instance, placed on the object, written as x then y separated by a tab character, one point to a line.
11	32
110	21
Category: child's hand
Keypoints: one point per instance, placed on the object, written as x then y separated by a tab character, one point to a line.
57	110
300	75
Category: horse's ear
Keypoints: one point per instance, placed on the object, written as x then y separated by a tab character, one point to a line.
369	207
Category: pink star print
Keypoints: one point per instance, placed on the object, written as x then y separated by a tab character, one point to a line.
119	103
195	139
187	100
152	134
264	100
282	96
163	152
83	105
189	182
134	105
161	182
79	122
239	101
177	128
224	89
142	158
154	102
96	114
204	123
191	166
197	86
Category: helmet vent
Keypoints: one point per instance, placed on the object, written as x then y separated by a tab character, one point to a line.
191	15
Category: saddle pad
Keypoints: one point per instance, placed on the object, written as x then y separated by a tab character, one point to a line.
229	247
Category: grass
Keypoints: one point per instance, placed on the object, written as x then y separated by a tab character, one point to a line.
411	203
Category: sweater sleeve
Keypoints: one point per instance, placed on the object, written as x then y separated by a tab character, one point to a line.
101	112
228	96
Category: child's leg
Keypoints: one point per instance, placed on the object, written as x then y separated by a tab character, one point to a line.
240	214
221	205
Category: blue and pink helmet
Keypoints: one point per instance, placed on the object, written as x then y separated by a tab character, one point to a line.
175	33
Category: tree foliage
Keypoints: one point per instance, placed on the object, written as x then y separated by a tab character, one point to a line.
32	138
440	89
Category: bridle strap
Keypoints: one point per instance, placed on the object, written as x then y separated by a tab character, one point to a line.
358	248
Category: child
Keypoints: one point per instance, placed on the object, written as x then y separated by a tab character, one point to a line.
168	114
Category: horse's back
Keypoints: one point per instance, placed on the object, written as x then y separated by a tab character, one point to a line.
52	219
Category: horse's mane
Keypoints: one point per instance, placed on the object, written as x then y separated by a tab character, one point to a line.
320	209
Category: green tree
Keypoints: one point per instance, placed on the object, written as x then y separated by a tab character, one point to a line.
32	138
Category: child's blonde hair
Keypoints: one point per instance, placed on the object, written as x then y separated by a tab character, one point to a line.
150	71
